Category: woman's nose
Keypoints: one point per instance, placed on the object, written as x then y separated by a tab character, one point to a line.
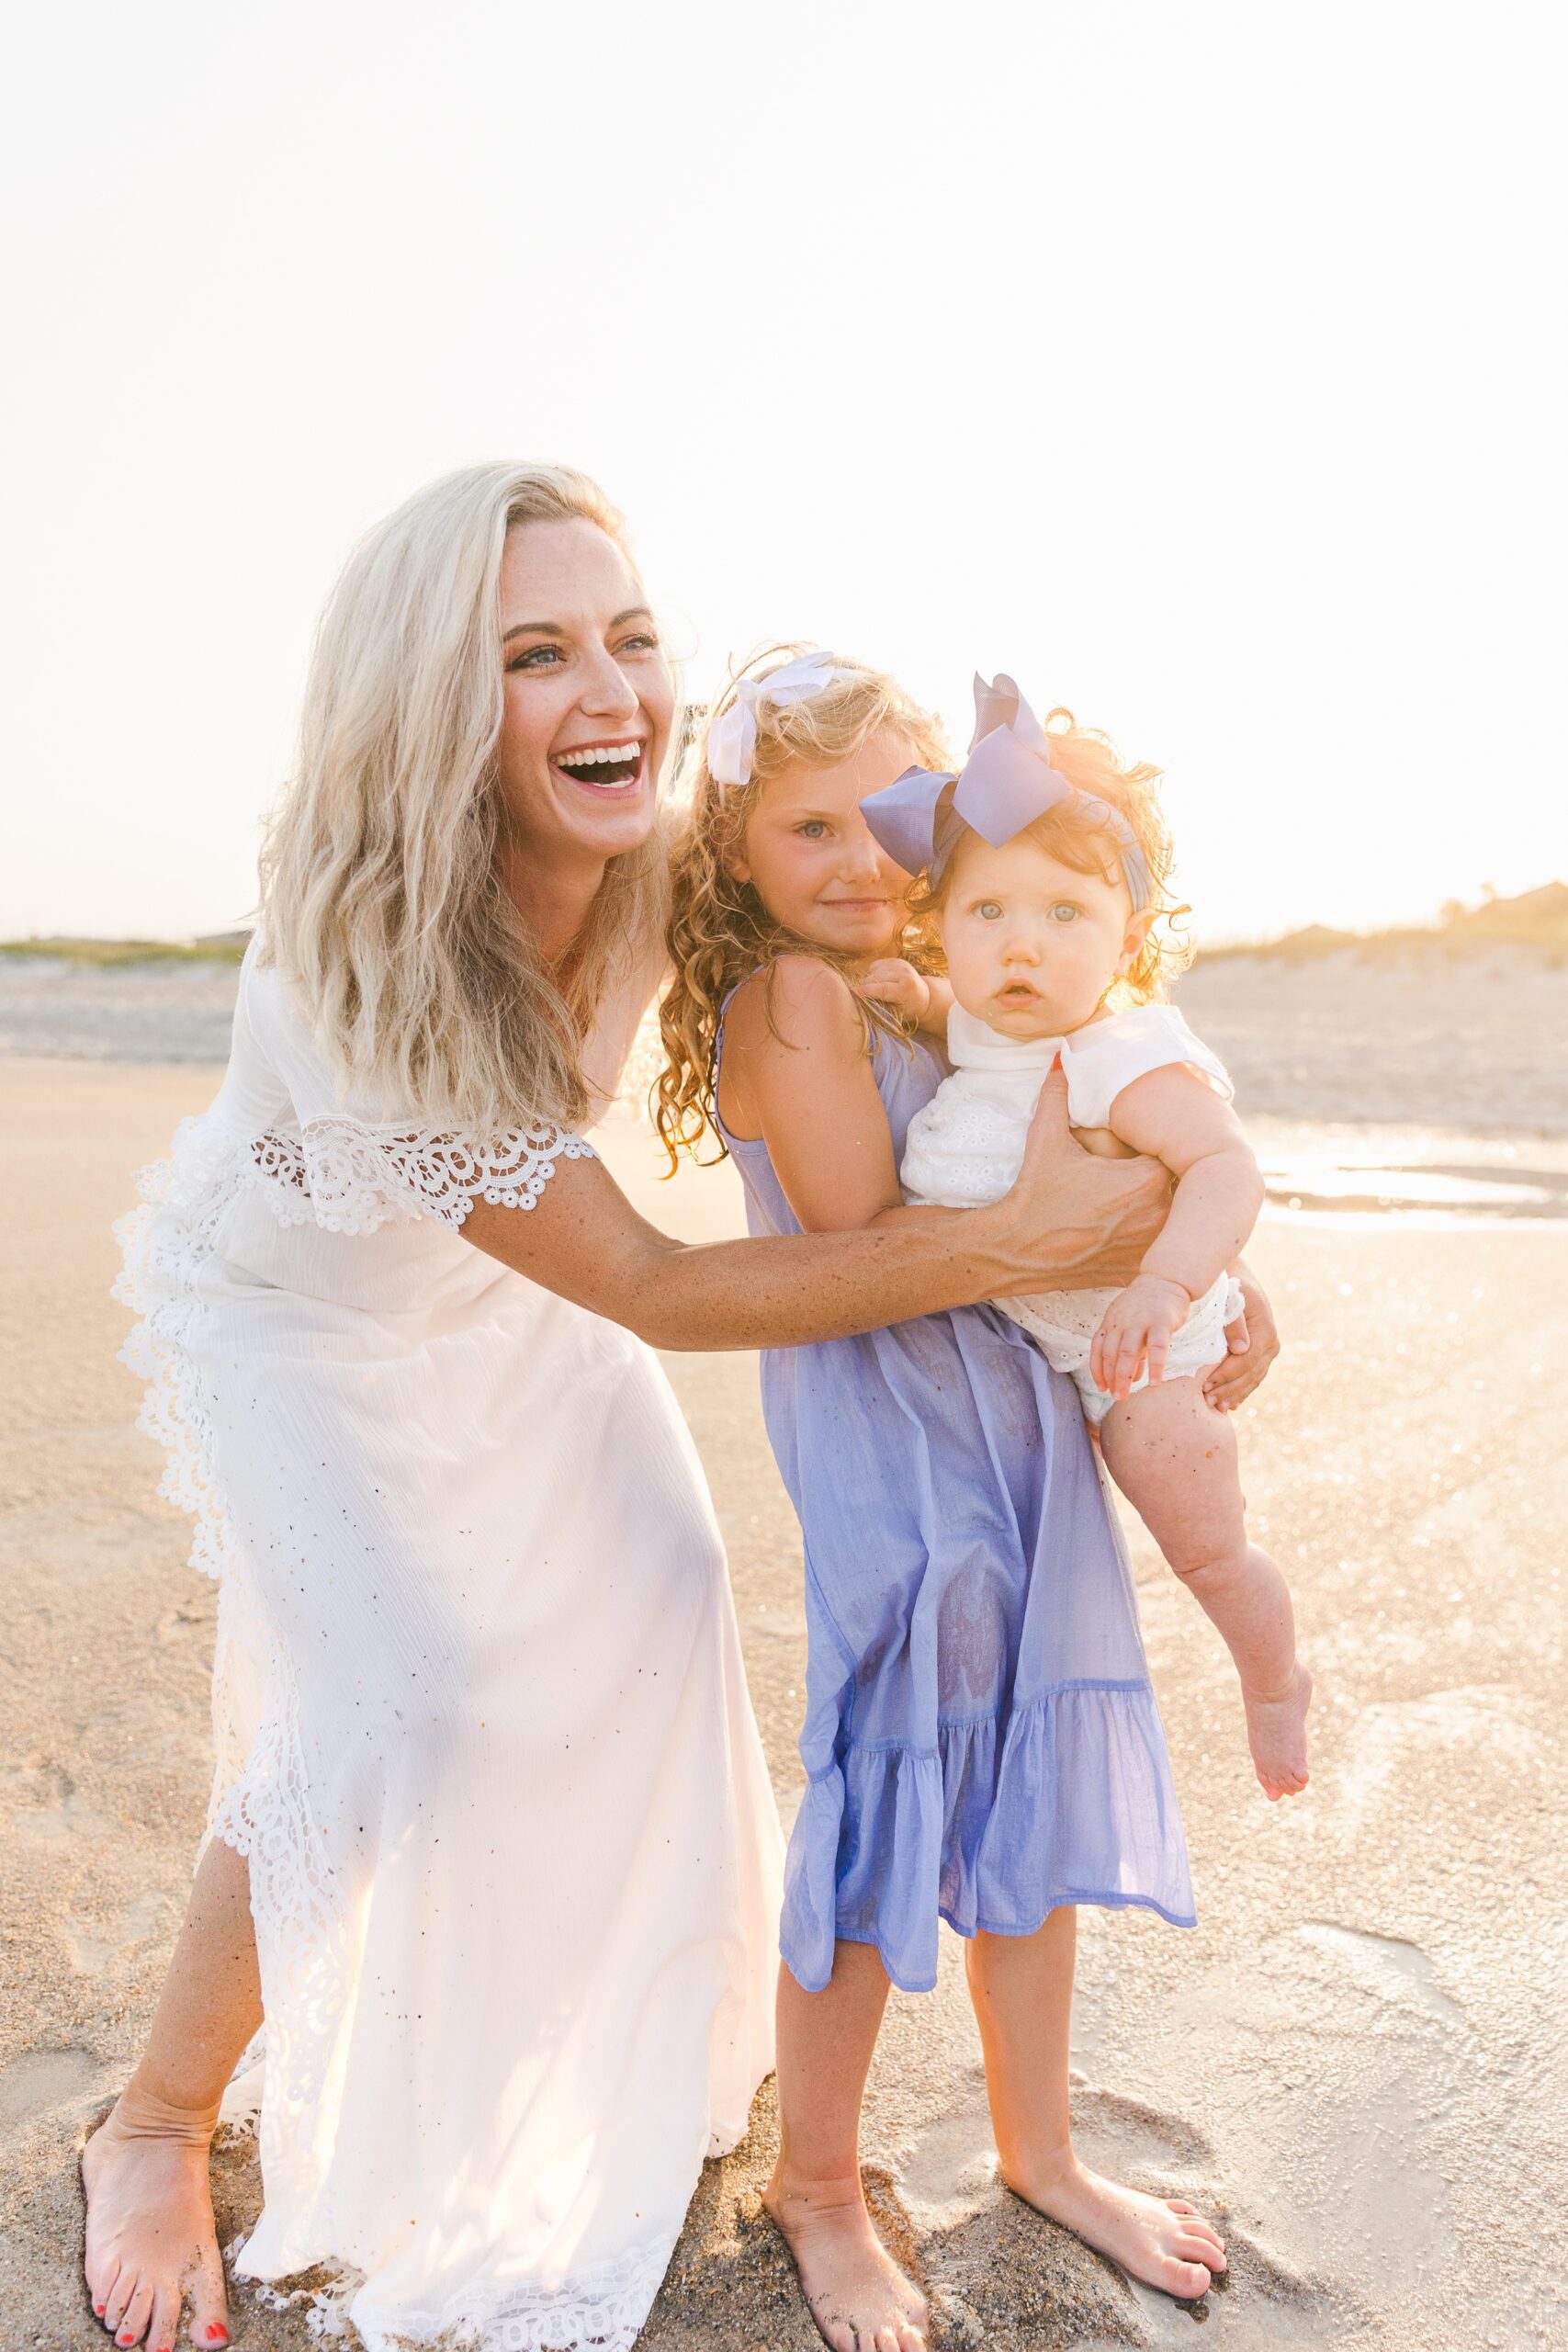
609	692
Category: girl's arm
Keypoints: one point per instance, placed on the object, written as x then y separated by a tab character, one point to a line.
1174	1116
1069	1220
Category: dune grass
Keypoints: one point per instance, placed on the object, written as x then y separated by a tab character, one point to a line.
227	948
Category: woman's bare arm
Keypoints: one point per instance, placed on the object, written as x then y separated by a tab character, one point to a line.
1068	1220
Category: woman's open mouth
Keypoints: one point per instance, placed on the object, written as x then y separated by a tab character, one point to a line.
602	767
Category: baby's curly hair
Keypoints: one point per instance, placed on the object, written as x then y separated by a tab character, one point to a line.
719	930
1091	765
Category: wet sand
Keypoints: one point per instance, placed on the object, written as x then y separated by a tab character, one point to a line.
1356	2060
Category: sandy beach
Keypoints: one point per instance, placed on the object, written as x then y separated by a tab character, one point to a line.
1356	2060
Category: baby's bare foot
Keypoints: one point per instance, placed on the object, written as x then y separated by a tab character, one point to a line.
1161	2240
151	2236
855	2291
1276	1733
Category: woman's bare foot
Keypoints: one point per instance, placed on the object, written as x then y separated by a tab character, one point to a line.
855	2291
1163	2241
1276	1733
151	2241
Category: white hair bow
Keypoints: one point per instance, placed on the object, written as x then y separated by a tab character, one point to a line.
732	738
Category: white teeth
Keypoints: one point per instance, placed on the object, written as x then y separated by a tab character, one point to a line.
600	755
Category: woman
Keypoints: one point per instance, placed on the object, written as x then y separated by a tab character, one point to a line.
491	1845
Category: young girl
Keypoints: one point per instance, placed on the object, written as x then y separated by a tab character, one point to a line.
981	1741
1045	865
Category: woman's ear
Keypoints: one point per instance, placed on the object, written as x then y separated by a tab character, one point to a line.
1132	938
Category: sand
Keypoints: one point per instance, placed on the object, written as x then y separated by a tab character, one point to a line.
1356	2060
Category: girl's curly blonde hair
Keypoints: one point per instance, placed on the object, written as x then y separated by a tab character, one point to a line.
719	930
1091	765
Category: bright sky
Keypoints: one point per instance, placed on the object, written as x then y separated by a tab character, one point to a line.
1200	364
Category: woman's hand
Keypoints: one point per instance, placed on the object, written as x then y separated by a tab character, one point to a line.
1254	1343
1072	1221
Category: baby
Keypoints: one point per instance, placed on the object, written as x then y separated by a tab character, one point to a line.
1043	862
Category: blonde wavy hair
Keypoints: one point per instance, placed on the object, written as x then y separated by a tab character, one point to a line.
382	902
719	930
1092	764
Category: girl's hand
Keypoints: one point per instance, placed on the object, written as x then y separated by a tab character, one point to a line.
1135	1332
893	981
1253	1344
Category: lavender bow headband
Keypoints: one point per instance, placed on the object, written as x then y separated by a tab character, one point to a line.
1005	783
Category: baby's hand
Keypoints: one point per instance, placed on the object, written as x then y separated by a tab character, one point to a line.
893	981
1135	1332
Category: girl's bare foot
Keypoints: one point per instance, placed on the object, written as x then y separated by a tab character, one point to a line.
1161	2240
1276	1733
151	2241
855	2291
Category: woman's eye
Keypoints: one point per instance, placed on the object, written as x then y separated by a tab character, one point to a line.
644	642
1065	912
538	657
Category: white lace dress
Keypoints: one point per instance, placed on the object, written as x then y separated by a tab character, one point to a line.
482	1727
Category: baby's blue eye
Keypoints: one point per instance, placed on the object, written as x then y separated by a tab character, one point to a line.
990	910
1065	912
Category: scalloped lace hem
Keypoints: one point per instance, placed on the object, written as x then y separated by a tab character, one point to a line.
604	2309
347	1177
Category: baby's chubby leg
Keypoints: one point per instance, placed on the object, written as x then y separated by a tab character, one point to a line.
1174	1457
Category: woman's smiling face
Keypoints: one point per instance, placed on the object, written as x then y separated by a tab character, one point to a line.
588	701
810	853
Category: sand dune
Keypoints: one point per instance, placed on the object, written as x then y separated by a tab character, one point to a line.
1356	2058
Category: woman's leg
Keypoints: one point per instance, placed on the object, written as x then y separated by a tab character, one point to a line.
150	2239
1022	1990
855	2292
1175	1459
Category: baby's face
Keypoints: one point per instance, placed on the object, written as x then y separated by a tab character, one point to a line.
1032	945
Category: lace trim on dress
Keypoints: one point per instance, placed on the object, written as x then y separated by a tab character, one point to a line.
602	2309
346	1177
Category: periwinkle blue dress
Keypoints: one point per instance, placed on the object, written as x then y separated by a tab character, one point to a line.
981	1741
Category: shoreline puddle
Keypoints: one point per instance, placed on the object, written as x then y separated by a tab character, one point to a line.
1413	1174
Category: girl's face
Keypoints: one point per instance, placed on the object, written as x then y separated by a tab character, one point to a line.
588	695
1033	946
809	854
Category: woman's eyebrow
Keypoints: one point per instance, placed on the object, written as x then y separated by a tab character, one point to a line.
553	629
